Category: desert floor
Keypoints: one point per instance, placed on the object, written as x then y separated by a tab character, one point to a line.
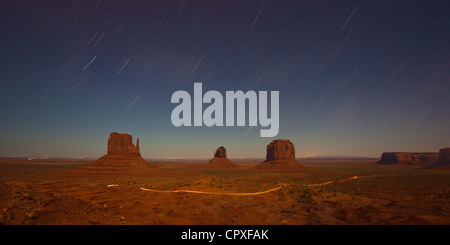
330	192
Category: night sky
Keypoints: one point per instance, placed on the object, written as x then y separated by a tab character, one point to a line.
355	77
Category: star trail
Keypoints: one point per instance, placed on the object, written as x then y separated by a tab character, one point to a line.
355	77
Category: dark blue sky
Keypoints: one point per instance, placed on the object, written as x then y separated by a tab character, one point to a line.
355	77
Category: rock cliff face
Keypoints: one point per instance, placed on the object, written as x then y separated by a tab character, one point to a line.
280	150
408	158
444	156
443	160
122	144
221	152
220	159
122	155
280	155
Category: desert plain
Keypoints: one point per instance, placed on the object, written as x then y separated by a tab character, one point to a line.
186	192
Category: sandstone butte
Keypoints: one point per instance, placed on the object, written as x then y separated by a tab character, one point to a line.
220	159
122	155
281	155
408	158
443	159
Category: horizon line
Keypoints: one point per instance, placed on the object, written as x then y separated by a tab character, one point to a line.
188	158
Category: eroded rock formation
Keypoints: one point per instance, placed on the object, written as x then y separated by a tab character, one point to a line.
443	160
122	144
220	159
408	158
444	156
280	155
280	150
221	152
122	155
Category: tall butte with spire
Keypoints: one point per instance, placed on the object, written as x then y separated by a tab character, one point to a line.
122	155
122	144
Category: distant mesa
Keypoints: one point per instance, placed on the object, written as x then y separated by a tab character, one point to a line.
444	156
281	155
408	158
122	155
443	160
220	159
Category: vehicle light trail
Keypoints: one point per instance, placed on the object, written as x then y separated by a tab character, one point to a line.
242	193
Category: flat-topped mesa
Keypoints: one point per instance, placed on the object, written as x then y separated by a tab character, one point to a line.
220	159
122	144
408	158
280	155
